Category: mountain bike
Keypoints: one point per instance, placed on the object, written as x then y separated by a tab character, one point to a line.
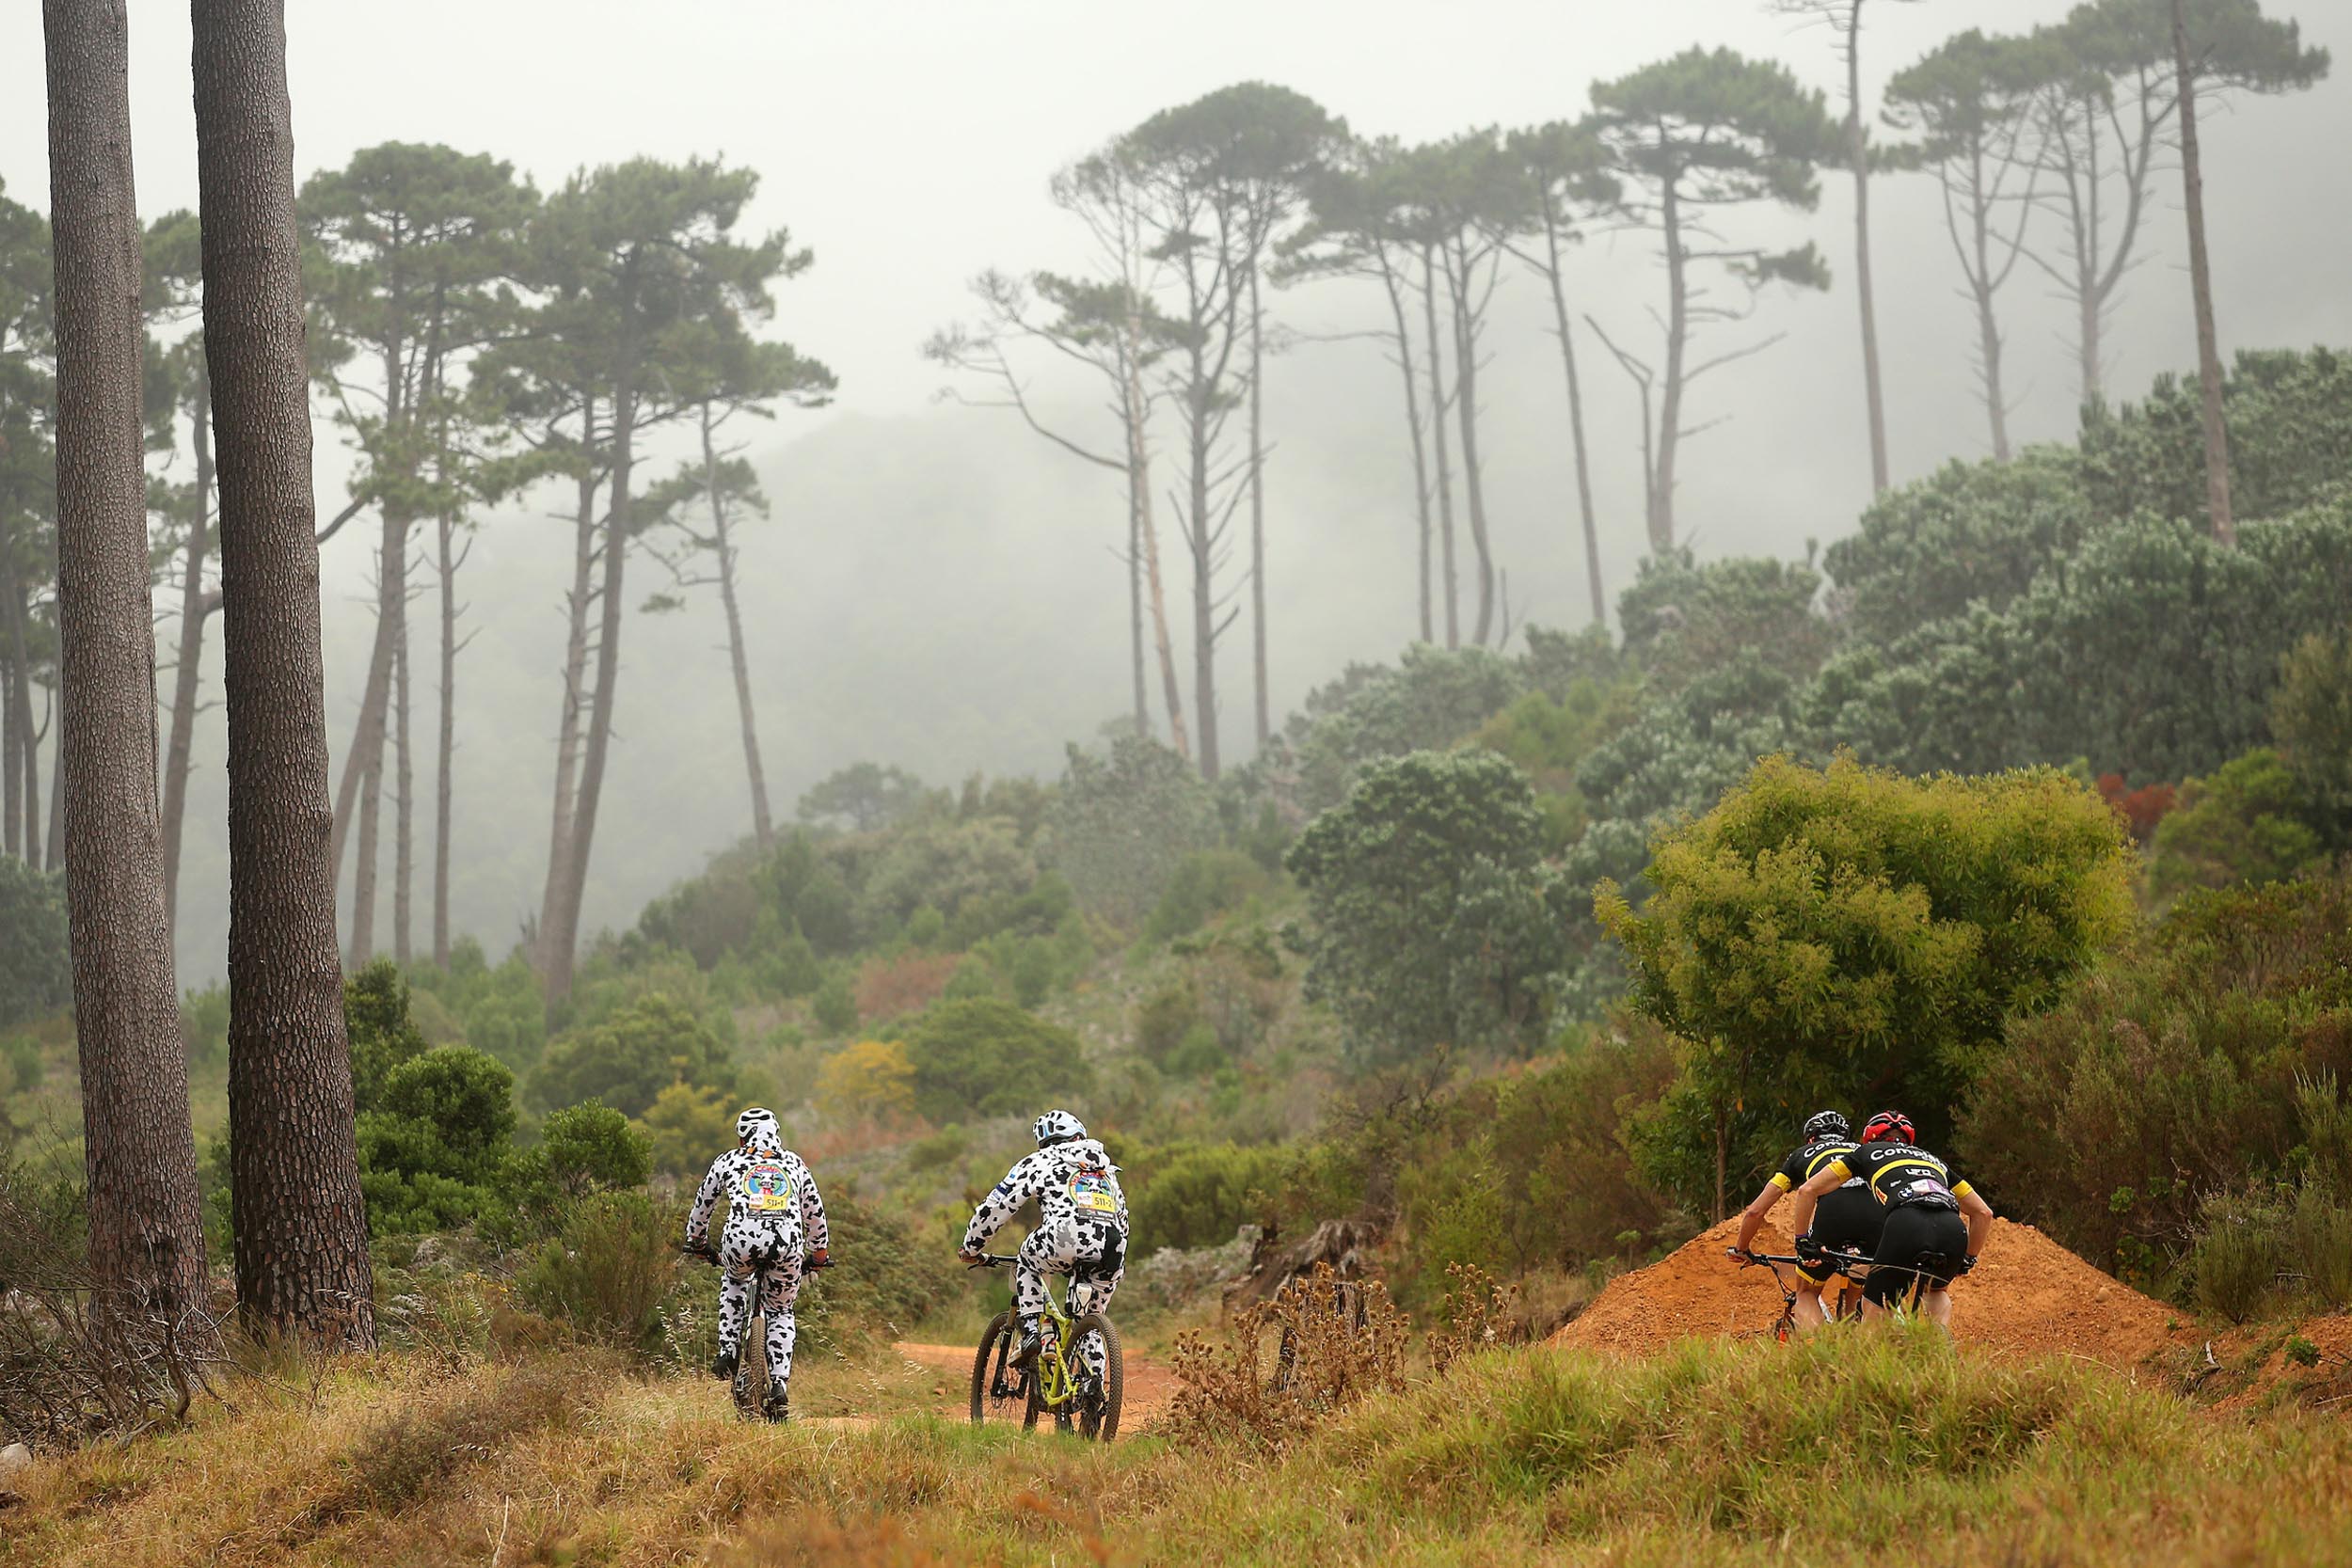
1852	1266
1057	1383
749	1388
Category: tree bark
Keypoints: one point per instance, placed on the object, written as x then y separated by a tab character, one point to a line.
404	791
1458	272
2201	289
1662	495
300	1220
1436	425
763	824
1858	151
1136	408
15	714
187	671
366	756
1257	510
1134	611
1412	420
146	1231
366	860
446	748
597	741
575	689
55	858
1204	543
1576	417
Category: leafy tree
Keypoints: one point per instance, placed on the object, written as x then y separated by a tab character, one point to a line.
36	964
865	797
2312	715
988	1057
2247	822
1431	921
2289	417
1121	823
1434	699
1701	133
382	1034
436	1142
630	1058
835	1005
1682	621
1970	101
873	1081
685	1128
946	866
1837	932
583	1150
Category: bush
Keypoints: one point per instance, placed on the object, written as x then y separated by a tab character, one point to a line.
873	1081
607	1272
630	1058
1122	822
1162	1021
685	1128
583	1149
885	1279
835	1005
1281	1368
2245	823
2319	1247
2312	716
2236	1261
375	1019
35	956
436	1147
1198	1194
891	987
988	1057
1205	884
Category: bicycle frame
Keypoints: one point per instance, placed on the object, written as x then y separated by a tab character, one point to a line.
1057	1384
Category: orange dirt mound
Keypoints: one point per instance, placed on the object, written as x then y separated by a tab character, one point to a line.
2027	1295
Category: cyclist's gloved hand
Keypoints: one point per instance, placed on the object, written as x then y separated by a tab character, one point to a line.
1968	1264
1810	1250
969	1254
821	1259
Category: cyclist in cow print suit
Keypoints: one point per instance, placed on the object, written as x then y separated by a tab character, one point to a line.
774	1212
1081	1230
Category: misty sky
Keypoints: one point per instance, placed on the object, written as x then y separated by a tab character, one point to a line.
909	144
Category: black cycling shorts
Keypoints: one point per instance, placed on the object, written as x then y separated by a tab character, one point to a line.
1912	1232
1848	1217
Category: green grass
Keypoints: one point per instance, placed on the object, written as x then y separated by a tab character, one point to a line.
1713	1454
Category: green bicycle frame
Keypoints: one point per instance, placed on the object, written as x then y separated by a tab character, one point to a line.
1055	1387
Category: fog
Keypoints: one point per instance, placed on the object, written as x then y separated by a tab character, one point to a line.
937	586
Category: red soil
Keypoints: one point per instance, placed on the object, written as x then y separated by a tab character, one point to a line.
2027	1295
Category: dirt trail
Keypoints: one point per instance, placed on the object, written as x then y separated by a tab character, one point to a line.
2027	1295
1150	1385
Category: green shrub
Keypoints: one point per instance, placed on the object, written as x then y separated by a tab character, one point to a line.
2319	1247
1162	1021
2237	1258
583	1149
2312	716
1205	884
885	1280
630	1058
686	1128
2245	823
1198	1194
36	957
1122	822
607	1272
836	1005
435	1145
940	1149
988	1057
1199	1054
375	1018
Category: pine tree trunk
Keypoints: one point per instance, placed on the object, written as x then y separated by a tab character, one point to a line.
13	718
146	1231
366	754
366	861
1661	497
55	859
404	791
1257	510
301	1221
446	745
187	673
1135	409
1412	420
763	824
1466	408
1204	543
1858	152
1445	476
596	742
32	773
2201	289
1576	418
1135	612
575	696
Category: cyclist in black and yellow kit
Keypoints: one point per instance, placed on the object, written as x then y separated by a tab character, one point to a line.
1847	1218
1936	1224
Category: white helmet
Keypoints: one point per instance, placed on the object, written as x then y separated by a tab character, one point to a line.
1056	1127
748	1125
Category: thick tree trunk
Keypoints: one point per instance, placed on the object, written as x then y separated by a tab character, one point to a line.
301	1221
446	746
2201	289
1436	425
1465	408
575	694
146	1231
1662	495
187	673
1858	152
404	792
1576	419
1413	421
1257	511
597	741
763	824
1136	409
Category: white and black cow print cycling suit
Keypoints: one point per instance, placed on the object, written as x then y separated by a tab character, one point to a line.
773	1210
1081	1231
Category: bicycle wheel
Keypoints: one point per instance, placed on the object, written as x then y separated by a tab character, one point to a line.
1098	1413
998	1392
750	1369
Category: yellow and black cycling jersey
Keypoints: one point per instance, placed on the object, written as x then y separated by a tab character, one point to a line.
1798	1167
1901	1174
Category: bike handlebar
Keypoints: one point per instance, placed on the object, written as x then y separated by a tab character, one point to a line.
990	1260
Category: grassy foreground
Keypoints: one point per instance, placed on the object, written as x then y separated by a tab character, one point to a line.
1712	1454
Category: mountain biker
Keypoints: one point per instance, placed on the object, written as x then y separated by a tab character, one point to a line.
1081	1230
773	1209
1846	1216
1936	1222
